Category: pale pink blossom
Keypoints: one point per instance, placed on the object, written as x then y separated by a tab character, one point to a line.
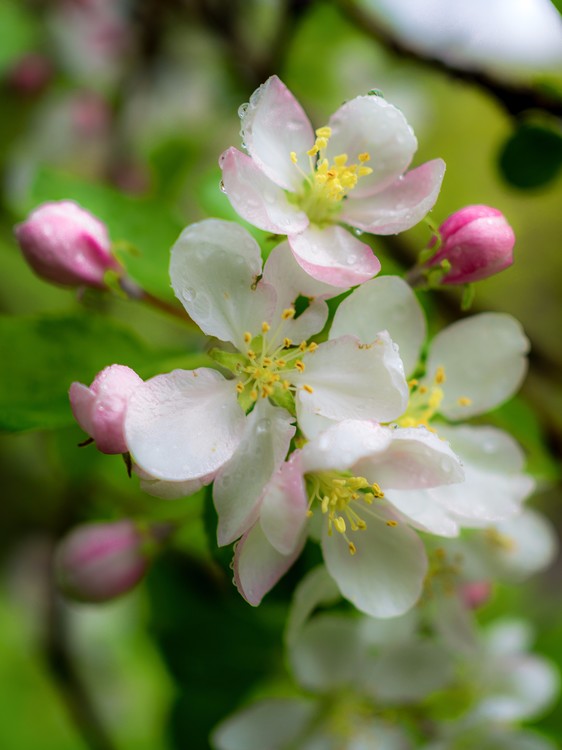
100	408
66	244
304	184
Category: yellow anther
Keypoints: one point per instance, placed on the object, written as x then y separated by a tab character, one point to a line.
423	389
309	514
287	343
307	388
312	151
267	361
339	523
325	503
313	346
239	387
440	375
413	383
464	401
377	492
364	157
303	346
321	143
294	157
299	365
340	160
392	524
247	337
361	524
364	171
265	327
285	384
324	132
266	391
352	548
251	354
254	395
281	363
288	313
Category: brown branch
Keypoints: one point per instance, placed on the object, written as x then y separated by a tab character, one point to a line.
515	98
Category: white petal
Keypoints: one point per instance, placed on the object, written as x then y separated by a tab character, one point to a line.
240	482
343	444
423	512
258	565
273	125
369	124
170	490
415	459
334	256
314	589
385	576
284	506
271	723
184	425
213	267
256	198
484	357
290	281
328	653
494	485
384	304
353	381
401	205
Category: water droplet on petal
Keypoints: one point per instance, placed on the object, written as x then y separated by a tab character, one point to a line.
358	232
242	109
263	425
351	259
222	187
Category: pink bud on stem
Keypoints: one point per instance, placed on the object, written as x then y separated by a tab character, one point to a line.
99	561
476	242
100	409
67	245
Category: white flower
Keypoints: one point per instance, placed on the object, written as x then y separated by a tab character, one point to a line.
342	477
187	426
303	184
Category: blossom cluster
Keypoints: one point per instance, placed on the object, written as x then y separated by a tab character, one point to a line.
328	415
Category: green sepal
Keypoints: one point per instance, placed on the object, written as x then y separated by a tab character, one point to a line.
233	361
284	399
468	294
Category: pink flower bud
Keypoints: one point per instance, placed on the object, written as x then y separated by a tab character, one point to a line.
100	561
476	593
100	409
66	244
477	241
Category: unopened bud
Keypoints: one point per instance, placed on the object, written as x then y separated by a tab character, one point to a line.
66	244
99	561
476	593
100	409
477	242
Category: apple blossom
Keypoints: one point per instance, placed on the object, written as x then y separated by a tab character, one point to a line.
302	183
99	561
66	244
476	242
100	409
343	479
186	425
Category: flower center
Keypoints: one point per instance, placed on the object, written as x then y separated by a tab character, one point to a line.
425	401
340	497
268	363
327	184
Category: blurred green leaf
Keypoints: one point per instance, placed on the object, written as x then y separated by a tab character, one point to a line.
43	355
17	33
147	224
532	156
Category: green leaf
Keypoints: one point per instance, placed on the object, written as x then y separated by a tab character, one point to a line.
147	224
44	355
532	156
17	33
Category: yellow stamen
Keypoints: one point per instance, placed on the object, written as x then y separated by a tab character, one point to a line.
464	401
288	313
294	157
307	388
247	337
392	524
265	327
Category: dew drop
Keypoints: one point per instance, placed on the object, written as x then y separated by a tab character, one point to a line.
222	187
263	425
358	232
351	259
242	109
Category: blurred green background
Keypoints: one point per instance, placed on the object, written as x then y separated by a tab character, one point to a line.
126	108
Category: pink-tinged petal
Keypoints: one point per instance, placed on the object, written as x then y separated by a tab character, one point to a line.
369	124
386	303
184	425
241	482
256	198
423	512
273	125
401	205
350	380
284	506
485	361
82	402
334	256
384	578
290	281
213	269
415	459
258	565
343	445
